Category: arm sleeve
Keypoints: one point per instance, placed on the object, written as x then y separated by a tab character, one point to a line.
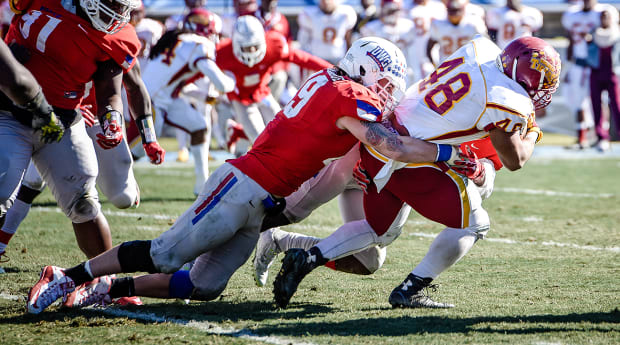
221	81
306	60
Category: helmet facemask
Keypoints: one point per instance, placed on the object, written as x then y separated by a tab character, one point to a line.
109	16
389	94
248	39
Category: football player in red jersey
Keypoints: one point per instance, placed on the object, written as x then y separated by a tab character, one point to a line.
250	56
326	118
64	48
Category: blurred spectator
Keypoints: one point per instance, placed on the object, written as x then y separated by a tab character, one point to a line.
603	58
325	30
513	21
176	21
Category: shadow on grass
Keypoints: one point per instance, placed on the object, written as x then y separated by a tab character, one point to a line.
408	325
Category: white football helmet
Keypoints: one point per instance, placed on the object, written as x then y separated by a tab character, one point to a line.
109	16
380	66
248	39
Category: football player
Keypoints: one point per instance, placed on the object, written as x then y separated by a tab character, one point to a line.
515	82
249	56
580	22
179	58
325	119
149	31
325	30
422	13
392	26
453	32
512	21
64	48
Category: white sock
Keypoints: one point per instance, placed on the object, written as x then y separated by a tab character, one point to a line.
201	164
446	250
349	239
287	240
182	139
14	217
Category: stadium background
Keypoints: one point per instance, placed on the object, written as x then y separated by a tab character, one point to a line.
557	120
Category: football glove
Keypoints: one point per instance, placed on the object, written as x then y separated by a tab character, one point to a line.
532	126
155	152
87	114
44	119
111	125
469	166
361	176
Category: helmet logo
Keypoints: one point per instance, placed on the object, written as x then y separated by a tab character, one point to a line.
380	57
544	66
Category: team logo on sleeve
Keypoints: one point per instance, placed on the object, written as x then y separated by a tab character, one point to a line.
367	111
127	62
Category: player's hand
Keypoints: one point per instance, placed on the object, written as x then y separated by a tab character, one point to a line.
532	126
51	128
87	114
469	166
155	152
361	176
111	125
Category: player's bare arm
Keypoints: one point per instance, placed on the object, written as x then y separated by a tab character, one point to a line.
393	146
137	93
108	81
17	82
429	48
512	150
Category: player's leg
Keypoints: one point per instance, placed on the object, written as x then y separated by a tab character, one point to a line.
446	198
115	179
16	141
249	116
278	83
614	102
268	108
596	89
577	92
183	142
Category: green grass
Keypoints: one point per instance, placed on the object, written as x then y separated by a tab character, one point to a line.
519	292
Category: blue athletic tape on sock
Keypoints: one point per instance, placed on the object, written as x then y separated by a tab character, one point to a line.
180	285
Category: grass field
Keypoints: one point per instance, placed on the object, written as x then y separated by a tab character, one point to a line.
549	273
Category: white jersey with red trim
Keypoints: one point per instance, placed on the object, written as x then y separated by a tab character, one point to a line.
451	37
400	34
149	31
579	23
422	15
464	98
168	72
511	24
322	34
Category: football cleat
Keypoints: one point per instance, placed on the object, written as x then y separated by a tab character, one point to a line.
52	284
413	293
125	301
266	251
183	155
295	266
92	292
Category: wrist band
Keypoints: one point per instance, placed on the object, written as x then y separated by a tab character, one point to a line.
444	152
146	129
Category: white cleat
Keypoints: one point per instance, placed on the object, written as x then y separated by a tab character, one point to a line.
93	292
266	251
52	285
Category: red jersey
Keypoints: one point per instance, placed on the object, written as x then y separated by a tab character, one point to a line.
64	49
251	82
304	137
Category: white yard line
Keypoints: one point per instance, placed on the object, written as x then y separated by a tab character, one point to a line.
204	326
330	229
553	193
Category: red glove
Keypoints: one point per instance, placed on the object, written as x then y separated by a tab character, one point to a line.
155	152
468	165
111	125
361	176
87	114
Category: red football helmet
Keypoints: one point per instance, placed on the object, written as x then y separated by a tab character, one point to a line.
535	65
201	22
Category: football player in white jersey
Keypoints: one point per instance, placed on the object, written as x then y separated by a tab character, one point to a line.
392	26
325	30
179	58
512	21
580	22
149	31
176	21
478	91
455	31
422	13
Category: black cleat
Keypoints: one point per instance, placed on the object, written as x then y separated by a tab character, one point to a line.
413	293
295	265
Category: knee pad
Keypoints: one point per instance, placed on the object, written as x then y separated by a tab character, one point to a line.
135	256
84	209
